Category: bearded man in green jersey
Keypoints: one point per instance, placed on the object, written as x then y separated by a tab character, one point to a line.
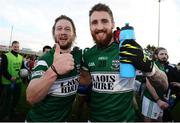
55	77
111	96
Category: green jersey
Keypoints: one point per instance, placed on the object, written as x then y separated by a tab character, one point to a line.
56	106
111	97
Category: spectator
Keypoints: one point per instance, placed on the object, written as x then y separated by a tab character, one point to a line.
12	62
172	73
46	49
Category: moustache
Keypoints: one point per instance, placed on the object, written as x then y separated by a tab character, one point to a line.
100	31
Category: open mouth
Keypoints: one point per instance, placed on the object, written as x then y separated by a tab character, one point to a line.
63	38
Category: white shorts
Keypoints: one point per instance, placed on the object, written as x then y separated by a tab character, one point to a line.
151	109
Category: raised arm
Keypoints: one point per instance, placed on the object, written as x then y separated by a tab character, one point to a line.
38	87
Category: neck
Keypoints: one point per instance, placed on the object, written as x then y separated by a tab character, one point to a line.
105	45
14	53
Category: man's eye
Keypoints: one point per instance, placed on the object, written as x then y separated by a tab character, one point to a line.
94	22
67	29
59	28
104	21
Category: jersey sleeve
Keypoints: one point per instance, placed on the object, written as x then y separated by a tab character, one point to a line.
40	67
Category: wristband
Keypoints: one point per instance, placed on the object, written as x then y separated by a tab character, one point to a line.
54	69
157	99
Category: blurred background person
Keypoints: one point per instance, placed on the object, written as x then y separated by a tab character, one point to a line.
46	48
12	62
161	59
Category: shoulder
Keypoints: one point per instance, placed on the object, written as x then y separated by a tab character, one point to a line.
46	59
76	52
3	56
8	53
89	51
171	65
48	55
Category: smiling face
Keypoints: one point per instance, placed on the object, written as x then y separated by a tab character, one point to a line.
15	47
101	26
64	34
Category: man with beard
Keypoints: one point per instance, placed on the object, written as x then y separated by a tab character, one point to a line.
154	95
54	78
111	96
161	58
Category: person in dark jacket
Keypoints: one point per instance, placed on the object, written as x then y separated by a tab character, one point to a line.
161	56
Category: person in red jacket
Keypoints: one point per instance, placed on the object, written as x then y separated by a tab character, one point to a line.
116	34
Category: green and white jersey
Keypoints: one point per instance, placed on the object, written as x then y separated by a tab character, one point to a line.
56	106
111	97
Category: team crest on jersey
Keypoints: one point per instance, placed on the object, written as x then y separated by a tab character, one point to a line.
115	65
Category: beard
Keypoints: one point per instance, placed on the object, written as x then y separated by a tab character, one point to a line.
102	42
65	46
163	61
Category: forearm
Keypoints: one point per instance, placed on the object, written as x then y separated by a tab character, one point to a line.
152	90
38	88
85	78
158	77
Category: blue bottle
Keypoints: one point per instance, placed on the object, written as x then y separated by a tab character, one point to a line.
171	100
127	70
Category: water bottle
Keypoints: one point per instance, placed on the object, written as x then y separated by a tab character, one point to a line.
127	70
171	100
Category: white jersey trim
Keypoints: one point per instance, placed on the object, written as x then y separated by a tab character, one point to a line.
41	63
64	87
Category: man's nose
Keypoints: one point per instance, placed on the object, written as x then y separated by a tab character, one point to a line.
63	31
99	26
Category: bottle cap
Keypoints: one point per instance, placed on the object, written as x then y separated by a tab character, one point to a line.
127	32
126	27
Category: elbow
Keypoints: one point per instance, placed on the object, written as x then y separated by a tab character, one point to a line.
30	99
